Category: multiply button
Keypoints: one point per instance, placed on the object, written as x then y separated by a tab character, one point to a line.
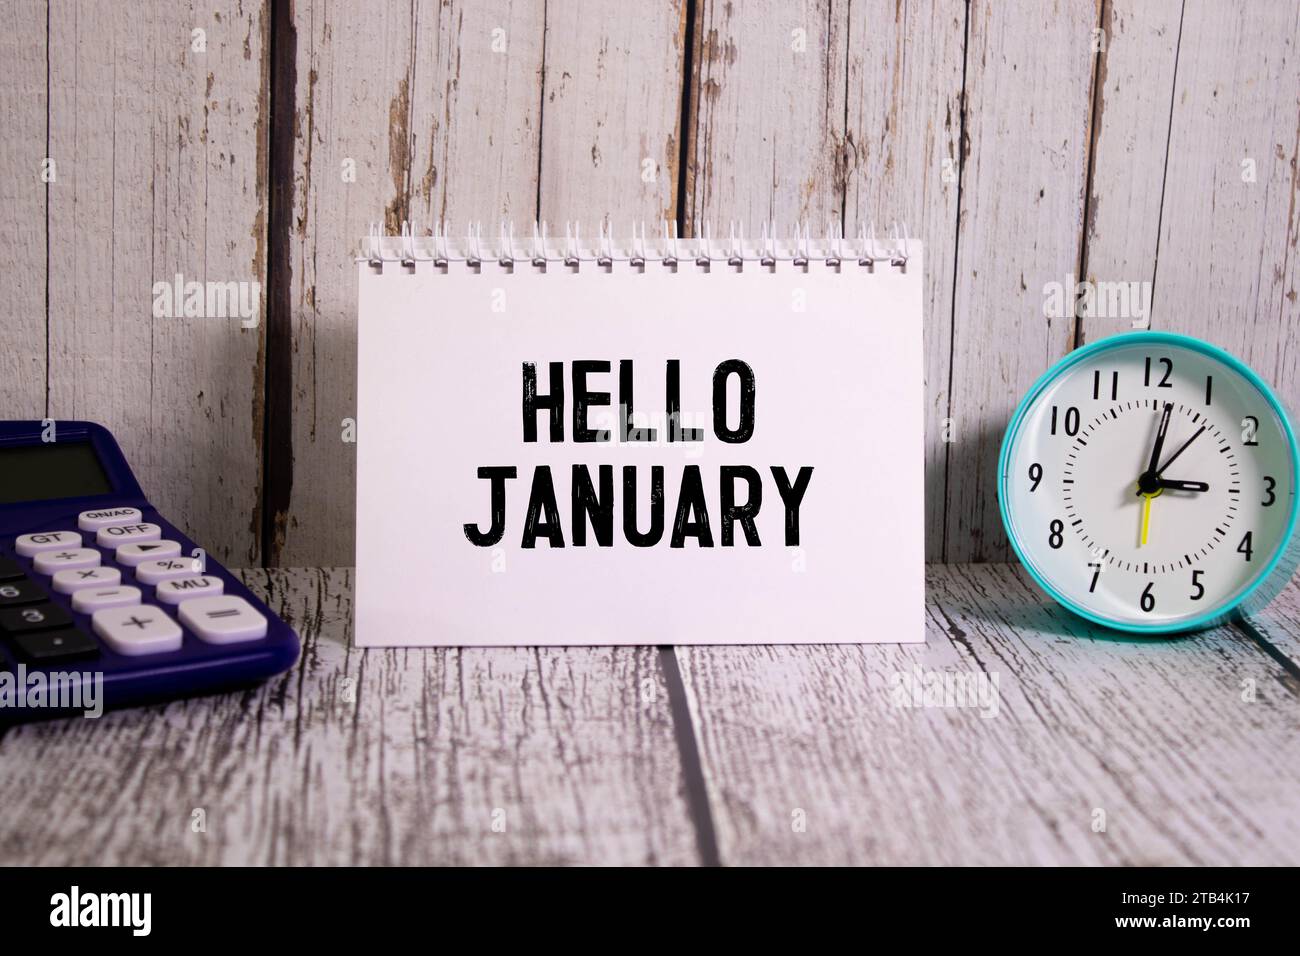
223	620
136	631
52	562
94	520
72	580
31	544
177	590
116	535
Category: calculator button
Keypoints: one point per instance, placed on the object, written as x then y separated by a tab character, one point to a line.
223	620
38	617
10	570
31	544
14	593
90	600
116	535
52	562
72	580
47	647
194	586
162	569
133	555
137	630
94	520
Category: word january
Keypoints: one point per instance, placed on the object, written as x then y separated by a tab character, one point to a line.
593	501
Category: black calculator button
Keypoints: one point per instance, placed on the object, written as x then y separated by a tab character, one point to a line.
16	593
48	647
10	570
38	617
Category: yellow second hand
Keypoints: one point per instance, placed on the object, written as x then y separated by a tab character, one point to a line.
1146	517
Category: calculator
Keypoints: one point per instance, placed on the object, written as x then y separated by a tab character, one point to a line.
96	585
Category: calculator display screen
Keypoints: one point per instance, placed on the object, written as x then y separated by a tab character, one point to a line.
51	470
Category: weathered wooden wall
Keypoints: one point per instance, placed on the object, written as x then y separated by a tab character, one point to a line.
1122	140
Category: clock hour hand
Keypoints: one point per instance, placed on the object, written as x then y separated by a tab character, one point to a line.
1172	484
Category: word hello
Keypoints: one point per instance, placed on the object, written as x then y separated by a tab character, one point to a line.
207	300
593	501
75	908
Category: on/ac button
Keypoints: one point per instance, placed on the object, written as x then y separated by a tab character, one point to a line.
94	520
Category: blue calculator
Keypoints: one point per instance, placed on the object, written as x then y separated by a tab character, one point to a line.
96	585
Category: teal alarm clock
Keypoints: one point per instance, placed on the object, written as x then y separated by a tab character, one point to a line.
1148	483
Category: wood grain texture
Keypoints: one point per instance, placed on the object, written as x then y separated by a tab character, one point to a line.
1154	733
403	112
903	129
1228	244
401	757
767	125
1279	625
23	106
161	154
1134	97
611	108
1029	104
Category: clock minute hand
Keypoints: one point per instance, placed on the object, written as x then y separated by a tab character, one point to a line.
1172	484
1147	483
1161	469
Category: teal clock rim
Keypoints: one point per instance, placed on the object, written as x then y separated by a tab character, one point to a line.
1167	338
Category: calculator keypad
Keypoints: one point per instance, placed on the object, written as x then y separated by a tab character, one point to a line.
121	614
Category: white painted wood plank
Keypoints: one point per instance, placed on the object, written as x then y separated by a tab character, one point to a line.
23	103
768	139
611	112
436	124
1028	94
161	158
903	132
1154	733
1228	246
1279	623
1135	81
382	757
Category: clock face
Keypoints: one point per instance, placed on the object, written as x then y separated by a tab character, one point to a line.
1149	482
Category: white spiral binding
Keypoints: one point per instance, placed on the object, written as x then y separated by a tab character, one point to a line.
439	248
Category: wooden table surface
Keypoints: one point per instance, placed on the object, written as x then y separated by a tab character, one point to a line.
1100	750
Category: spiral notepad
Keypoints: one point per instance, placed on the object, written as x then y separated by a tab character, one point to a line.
653	440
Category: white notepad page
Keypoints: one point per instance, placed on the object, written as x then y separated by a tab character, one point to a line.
834	354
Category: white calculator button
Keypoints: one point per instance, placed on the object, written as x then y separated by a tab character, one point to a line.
94	520
137	630
176	590
116	535
52	562
133	555
90	600
160	569
72	580
223	620
31	544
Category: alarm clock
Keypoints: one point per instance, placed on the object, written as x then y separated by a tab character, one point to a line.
1148	483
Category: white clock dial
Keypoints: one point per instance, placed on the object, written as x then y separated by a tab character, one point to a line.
1150	484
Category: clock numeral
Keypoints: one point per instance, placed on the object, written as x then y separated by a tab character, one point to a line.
1148	601
1270	483
1071	420
1096	385
1250	431
1035	475
1164	381
1209	388
1196	583
1057	537
1096	573
1247	546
